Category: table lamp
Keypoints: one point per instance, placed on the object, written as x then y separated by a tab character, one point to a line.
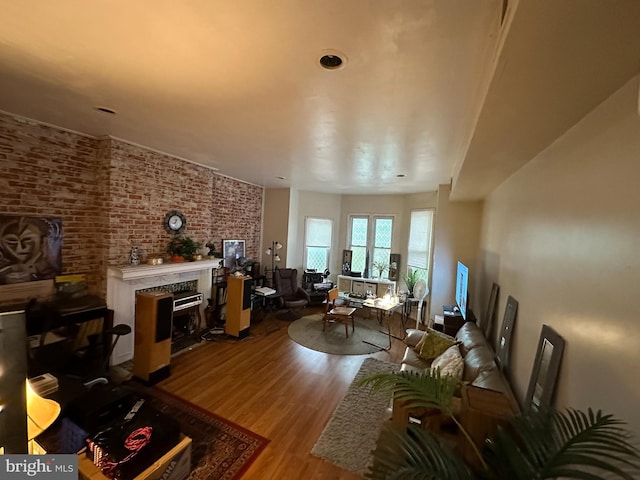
41	413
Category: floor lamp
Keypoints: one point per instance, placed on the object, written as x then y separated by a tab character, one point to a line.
272	252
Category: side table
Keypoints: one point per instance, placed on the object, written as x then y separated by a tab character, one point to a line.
269	304
408	307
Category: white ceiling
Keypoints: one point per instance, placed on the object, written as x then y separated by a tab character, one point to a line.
435	90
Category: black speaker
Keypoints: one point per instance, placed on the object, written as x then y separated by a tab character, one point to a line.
246	294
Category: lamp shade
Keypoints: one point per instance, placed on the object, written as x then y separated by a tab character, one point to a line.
41	413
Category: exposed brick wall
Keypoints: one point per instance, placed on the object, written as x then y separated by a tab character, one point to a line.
237	214
50	172
112	196
143	187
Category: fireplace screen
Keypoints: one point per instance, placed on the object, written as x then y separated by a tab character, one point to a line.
30	248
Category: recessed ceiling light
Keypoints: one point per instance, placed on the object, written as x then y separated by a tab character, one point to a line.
281	178
106	110
332	59
401	175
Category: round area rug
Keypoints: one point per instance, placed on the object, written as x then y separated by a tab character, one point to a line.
308	332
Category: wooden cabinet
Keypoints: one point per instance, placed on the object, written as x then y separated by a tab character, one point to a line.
238	306
453	321
481	413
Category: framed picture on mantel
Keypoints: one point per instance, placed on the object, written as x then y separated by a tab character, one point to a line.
232	250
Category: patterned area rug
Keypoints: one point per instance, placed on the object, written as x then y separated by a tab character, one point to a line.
367	337
220	449
352	431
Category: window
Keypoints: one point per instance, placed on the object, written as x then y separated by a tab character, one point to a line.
317	246
419	248
370	241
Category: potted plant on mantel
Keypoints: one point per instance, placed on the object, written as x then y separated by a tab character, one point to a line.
182	248
536	445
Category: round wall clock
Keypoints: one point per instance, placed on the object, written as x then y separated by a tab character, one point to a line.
174	222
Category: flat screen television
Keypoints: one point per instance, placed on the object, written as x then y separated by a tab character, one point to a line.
462	286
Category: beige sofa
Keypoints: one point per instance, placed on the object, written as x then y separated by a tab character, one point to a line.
480	368
485	401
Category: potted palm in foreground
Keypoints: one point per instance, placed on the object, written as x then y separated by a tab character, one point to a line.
543	444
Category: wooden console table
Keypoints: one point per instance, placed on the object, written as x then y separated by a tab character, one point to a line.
481	412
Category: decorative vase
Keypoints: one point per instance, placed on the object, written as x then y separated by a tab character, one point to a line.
177	258
134	256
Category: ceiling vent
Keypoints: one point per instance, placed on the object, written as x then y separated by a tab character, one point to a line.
332	60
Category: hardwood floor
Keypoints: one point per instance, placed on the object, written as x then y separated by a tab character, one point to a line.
270	385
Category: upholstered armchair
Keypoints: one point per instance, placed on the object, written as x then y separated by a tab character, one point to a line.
285	281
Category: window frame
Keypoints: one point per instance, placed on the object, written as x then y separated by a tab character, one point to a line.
307	246
370	237
429	247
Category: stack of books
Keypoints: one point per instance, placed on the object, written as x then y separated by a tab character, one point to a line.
264	291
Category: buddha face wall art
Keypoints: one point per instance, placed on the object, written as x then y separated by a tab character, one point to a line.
30	248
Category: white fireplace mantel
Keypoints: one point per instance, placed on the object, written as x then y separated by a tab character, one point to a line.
129	272
124	281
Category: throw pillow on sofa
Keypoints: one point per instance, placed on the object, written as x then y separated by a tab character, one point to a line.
419	345
435	343
450	362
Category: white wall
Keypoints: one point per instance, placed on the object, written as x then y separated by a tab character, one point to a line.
562	237
454	220
320	205
456	238
294	244
275	224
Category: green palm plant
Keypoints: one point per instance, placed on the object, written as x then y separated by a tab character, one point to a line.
537	445
410	278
